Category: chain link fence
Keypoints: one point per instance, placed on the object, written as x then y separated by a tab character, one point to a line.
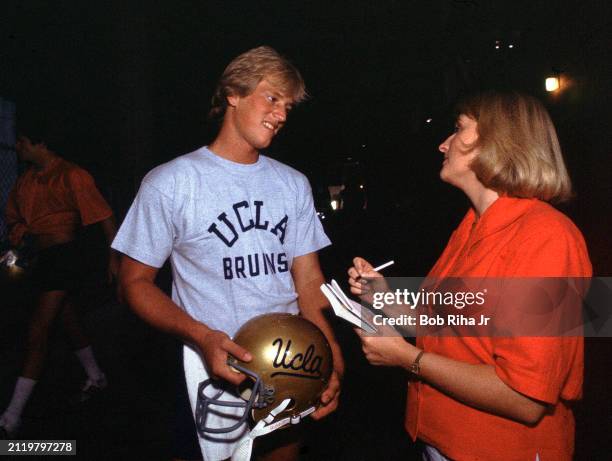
8	159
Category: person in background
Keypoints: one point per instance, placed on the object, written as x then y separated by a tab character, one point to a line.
48	205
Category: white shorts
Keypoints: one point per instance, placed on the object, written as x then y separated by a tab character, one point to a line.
214	447
432	454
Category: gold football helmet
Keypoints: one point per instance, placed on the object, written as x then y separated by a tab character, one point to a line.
291	360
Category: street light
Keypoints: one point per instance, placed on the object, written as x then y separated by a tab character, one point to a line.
553	81
552	84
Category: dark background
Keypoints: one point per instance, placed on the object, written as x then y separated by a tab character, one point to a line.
125	85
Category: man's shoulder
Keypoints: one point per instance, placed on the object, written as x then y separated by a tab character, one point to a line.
72	171
176	171
286	171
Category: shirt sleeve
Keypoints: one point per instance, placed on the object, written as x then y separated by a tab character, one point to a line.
147	233
310	234
544	368
88	200
539	367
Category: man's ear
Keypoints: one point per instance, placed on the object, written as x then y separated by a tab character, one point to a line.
232	100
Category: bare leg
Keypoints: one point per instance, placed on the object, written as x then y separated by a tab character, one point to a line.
49	306
71	325
82	349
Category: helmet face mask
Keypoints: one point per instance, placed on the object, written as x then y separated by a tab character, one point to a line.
291	360
206	404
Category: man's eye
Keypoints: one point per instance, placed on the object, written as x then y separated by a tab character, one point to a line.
272	99
456	127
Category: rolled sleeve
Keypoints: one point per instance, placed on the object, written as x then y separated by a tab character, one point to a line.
88	199
535	367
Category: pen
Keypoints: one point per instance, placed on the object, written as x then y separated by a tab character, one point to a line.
379	268
382	266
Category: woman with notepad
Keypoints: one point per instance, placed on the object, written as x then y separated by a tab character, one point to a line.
491	397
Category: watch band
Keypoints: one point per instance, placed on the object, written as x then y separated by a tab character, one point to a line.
415	368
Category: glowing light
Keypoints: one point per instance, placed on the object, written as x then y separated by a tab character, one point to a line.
334	204
510	46
497	47
552	84
428	120
270	354
361	186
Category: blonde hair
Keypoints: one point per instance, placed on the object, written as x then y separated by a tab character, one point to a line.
245	72
519	151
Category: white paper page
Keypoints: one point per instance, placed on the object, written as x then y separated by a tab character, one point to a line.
341	311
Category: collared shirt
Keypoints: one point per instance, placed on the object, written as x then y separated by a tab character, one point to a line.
513	238
54	201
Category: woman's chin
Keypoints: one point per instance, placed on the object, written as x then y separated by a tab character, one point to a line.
444	176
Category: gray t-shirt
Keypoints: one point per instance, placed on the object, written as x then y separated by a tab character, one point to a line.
231	232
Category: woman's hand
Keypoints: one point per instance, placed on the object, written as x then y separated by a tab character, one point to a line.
361	268
364	281
390	350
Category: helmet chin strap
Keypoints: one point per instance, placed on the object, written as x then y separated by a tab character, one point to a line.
244	447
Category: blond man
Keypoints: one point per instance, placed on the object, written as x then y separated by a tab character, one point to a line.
241	233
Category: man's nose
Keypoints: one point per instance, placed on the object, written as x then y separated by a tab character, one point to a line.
280	113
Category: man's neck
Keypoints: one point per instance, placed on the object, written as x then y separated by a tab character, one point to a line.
235	151
230	145
43	160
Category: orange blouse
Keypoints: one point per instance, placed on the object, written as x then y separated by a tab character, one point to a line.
513	238
54	201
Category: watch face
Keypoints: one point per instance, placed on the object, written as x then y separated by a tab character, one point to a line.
415	368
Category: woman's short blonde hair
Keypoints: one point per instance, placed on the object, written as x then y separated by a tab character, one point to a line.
245	72
519	151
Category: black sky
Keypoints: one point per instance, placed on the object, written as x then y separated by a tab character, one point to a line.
126	84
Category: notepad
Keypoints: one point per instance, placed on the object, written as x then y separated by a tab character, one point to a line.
346	308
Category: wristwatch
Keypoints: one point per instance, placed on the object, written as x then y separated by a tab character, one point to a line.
415	367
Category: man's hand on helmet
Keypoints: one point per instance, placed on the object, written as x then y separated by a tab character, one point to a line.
215	347
329	398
